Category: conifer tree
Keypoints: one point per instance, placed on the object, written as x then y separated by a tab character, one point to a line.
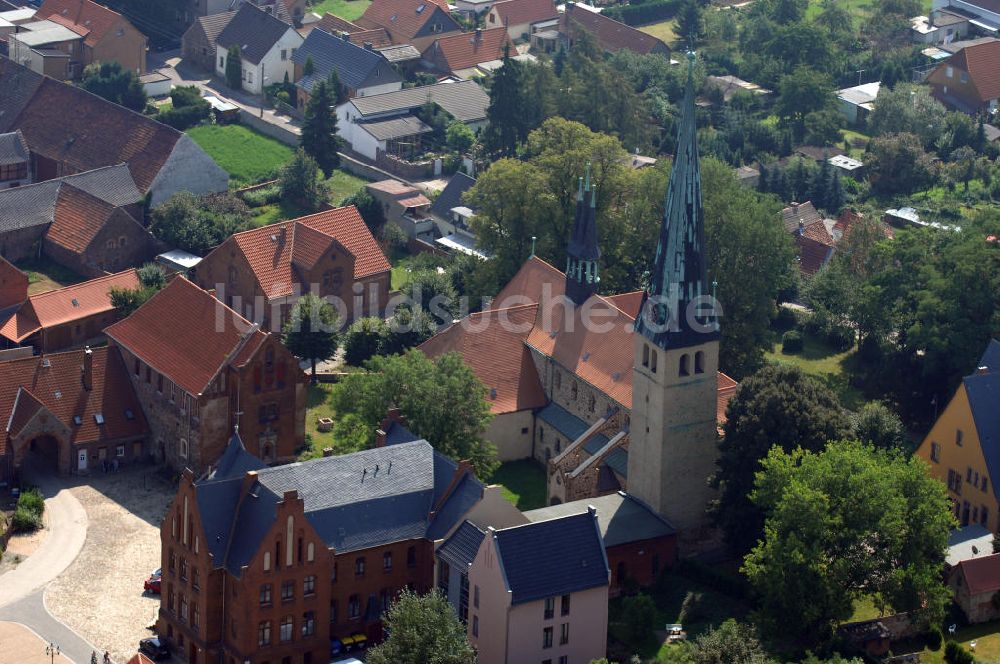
506	125
234	68
319	129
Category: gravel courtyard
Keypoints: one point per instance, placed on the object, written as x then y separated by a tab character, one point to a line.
100	595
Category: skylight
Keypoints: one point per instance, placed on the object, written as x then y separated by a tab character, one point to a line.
99	418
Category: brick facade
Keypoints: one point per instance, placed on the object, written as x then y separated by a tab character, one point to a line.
119	244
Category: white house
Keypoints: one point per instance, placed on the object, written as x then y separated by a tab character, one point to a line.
266	47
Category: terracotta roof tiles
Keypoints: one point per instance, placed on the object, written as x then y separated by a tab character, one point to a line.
89	19
404	19
982	63
467	49
610	34
78	218
982	574
517	12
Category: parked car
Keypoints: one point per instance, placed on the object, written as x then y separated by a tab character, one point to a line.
152	584
155	648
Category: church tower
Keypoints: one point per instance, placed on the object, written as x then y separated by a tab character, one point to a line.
583	253
672	448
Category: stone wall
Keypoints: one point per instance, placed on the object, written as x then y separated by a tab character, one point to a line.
21	243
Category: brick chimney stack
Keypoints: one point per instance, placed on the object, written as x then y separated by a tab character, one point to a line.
87	373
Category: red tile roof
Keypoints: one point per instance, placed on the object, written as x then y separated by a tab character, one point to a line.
78	218
497	356
271	260
357	35
403	19
88	19
982	575
609	33
13	284
982	63
186	334
517	12
139	658
65	305
53	382
467	49
813	255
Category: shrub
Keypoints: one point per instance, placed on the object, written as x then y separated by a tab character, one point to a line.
791	342
841	337
693	608
785	319
365	338
956	654
26	521
185	117
934	639
263	196
639	616
32	500
186	95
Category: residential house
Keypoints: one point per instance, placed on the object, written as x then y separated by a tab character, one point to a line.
856	103
473	7
310	552
813	235
942	26
975	583
453	217
540	592
13	287
460	54
963	447
639	543
200	369
69	411
48	48
969	81
414	22
107	35
99	133
67	317
725	87
266	45
361	70
15	160
521	17
983	15
610	35
388	124
405	206
262	272
359	36
198	41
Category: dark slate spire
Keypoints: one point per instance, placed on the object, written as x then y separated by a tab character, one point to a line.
583	253
235	461
678	277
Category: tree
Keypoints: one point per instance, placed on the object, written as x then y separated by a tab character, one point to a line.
319	128
506	124
877	425
422	629
459	137
907	109
897	164
127	300
121	86
823	127
432	291
299	182
336	87
309	67
370	210
441	400
639	617
311	330
849	521
364	339
963	166
802	92
690	22
779	406
731	642
234	68
197	225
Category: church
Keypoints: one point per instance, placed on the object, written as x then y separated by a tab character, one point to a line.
610	392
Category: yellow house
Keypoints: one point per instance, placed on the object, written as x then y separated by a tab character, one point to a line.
963	446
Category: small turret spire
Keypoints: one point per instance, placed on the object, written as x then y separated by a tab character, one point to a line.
583	252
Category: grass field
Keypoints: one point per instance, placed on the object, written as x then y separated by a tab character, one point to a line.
341	183
44	275
664	31
830	366
249	157
346	9
523	483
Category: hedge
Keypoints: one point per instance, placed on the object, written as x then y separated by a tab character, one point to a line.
792	342
186	116
651	11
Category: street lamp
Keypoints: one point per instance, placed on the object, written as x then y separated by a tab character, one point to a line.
52	650
263	84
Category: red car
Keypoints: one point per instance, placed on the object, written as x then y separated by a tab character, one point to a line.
152	584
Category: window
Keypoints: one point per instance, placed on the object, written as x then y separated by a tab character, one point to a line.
308	623
411	557
284	54
159	383
387	561
170	600
958	437
558	380
645	355
333	612
550	607
984	516
135	366
547	637
122	241
173	562
564	608
591	403
287	591
195	578
184	609
475	597
564	634
684	369
250	77
475	625
310	552
968	474
149	375
564	659
986	484
265	594
359	566
936	452
184	569
309	585
699	362
652	362
354	607
110	244
183	448
195	616
120	451
267	561
222	62
949	72
287	625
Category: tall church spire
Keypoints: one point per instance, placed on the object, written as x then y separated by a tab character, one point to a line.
678	279
583	252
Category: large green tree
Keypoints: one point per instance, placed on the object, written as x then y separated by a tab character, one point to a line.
779	406
507	124
441	399
310	332
897	164
847	523
422	629
300	183
198	225
109	80
319	128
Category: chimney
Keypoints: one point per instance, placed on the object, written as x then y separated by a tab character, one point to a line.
346	36
592	510
248	480
380	436
982	371
88	369
369	46
479	34
327	451
802	226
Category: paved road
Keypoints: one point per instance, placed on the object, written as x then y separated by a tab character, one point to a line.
31	612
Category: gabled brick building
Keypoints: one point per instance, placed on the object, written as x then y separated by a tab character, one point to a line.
200	369
969	81
107	35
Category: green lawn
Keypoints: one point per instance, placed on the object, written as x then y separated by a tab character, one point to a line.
825	363
248	156
343	184
44	275
663	31
523	483
346	9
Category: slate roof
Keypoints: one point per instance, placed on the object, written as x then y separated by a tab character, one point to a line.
982	62
236	461
983	392
466	101
213	24
461	548
398	127
355	501
65	305
551	558
621	517
982	575
355	65
451	196
254	31
177	332
13	148
58	389
93	21
611	35
517	12
467	49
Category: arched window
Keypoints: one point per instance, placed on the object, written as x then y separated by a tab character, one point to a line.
310	552
684	368
645	355
652	362
699	362
184	448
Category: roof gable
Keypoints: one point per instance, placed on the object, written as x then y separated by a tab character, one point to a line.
13	148
93	21
451	196
982	575
982	63
254	31
465	50
517	12
213	24
354	64
610	34
78	218
406	19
